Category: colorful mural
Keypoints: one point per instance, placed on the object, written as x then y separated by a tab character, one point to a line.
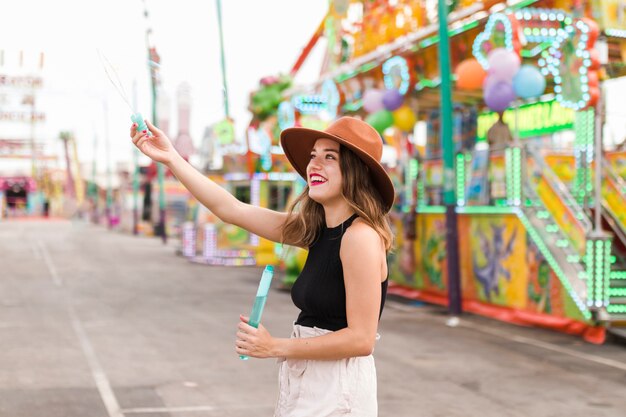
491	252
500	265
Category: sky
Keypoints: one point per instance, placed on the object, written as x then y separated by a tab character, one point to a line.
261	38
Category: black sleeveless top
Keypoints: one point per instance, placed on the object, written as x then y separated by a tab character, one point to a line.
320	292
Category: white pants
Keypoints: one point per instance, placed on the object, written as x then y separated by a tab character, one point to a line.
316	388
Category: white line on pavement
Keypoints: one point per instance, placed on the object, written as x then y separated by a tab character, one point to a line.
147	410
46	257
36	252
99	377
102	382
191	409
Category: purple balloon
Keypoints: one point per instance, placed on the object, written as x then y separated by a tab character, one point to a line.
499	96
373	100
392	99
503	64
489	81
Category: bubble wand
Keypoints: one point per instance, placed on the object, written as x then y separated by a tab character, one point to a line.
259	301
135	117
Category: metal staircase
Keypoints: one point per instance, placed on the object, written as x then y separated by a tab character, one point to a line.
547	225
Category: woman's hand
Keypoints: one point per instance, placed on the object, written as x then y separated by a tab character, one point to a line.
256	343
157	146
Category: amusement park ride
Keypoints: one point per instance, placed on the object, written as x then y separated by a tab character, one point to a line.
541	223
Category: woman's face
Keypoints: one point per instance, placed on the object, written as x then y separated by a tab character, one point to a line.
324	172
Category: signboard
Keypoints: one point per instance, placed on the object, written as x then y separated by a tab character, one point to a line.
534	119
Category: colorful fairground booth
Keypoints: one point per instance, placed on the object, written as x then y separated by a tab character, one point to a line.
257	173
540	202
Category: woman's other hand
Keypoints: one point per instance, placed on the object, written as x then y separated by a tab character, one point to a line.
253	342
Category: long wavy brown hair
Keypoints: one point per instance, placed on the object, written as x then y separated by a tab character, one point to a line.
306	216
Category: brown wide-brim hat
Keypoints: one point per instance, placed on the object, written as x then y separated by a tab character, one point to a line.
355	134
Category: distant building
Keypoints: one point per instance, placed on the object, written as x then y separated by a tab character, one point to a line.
183	142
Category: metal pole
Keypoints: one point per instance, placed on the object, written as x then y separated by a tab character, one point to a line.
33	156
160	169
33	151
599	114
107	148
224	84
452	238
66	137
135	173
94	187
153	63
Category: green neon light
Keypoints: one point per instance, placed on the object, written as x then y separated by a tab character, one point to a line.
584	153
573	259
547	254
464	28
408	182
421	193
618	275
485	210
460	179
552	228
617	292
616	308
508	162
597	258
535	119
429	41
353	106
616	33
432	209
543	214
366	67
513	175
525	53
517	176
343	77
427	83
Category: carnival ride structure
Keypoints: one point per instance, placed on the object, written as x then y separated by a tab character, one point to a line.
531	248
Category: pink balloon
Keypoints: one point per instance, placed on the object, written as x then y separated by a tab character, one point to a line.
373	100
503	64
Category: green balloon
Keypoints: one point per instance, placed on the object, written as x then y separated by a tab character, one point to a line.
380	120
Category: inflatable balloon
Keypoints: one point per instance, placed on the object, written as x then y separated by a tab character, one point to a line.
503	64
499	96
404	118
594	56
529	82
380	120
592	79
488	82
594	96
392	99
373	100
593	31
470	75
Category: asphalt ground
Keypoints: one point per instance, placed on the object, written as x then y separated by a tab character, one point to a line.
95	323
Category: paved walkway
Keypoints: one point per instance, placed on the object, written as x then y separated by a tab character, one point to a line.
95	323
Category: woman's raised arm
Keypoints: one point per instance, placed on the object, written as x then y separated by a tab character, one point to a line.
260	221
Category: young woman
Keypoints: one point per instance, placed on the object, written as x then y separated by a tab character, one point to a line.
326	366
